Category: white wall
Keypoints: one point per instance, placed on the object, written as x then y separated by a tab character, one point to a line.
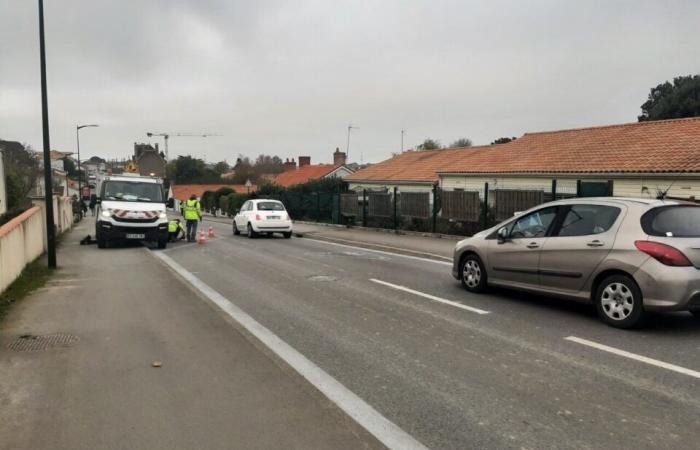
357	187
644	187
3	191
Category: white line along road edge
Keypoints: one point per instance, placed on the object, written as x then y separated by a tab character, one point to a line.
644	359
428	296
381	252
369	418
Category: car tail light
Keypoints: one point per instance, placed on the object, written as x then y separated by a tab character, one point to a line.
663	253
257	217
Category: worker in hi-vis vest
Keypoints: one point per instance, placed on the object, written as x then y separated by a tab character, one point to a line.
176	230
193	214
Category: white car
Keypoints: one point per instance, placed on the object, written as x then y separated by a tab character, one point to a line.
262	216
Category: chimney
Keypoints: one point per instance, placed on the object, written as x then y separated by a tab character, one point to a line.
290	165
304	161
339	158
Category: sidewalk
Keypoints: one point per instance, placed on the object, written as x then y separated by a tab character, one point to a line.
410	244
119	310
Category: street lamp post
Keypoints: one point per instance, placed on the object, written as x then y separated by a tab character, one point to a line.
77	138
48	184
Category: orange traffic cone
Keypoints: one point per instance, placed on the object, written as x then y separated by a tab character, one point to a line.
211	232
201	240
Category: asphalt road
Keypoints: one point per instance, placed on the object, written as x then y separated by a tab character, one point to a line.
451	377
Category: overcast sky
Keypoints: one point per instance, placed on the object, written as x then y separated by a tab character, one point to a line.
286	77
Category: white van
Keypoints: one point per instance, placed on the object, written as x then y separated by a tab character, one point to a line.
131	207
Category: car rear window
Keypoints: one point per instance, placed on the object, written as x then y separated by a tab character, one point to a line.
673	221
270	206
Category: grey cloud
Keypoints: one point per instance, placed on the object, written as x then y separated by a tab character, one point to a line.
286	77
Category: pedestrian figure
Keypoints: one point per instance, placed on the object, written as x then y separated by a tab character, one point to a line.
93	202
193	214
176	230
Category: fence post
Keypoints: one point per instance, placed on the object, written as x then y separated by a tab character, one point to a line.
554	189
485	218
364	207
396	224
339	215
611	188
435	209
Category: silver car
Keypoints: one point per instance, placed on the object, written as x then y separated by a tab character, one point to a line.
627	256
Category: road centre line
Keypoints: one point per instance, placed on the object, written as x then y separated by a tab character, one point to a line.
428	296
365	415
640	358
444	263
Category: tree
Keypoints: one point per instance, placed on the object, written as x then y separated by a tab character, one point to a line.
244	171
503	140
266	164
673	101
221	167
429	144
189	170
462	142
21	171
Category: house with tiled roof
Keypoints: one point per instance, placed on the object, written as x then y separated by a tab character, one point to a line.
303	173
631	160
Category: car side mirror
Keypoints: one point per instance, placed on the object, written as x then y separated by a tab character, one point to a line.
170	203
502	234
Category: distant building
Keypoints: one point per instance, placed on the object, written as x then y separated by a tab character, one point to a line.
149	160
306	171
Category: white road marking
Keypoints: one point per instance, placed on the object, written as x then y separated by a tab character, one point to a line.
444	263
428	296
382	428
644	359
384	246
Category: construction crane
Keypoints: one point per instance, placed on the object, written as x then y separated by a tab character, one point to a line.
166	136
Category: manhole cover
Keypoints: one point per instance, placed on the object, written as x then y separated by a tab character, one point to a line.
31	343
322	278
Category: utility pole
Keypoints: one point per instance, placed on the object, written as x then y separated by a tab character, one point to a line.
48	184
347	149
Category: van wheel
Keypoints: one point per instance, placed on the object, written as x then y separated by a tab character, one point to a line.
236	231
696	313
472	273
619	302
101	243
162	243
251	234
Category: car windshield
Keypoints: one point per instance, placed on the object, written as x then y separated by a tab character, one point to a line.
673	221
270	206
132	191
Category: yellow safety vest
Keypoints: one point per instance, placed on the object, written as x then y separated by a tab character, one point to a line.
192	210
173	226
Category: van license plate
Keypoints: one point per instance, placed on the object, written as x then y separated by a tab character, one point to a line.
136	236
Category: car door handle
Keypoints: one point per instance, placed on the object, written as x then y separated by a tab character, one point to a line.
595	243
533	245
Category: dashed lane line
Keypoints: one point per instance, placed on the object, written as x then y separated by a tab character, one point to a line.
431	297
634	356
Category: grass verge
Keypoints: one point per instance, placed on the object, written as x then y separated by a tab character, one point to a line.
34	276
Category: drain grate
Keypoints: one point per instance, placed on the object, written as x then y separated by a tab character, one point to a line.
31	343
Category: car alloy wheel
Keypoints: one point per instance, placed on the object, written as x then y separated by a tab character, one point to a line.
617	301
471	273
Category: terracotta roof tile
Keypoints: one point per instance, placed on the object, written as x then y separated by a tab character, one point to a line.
183	191
304	174
646	147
